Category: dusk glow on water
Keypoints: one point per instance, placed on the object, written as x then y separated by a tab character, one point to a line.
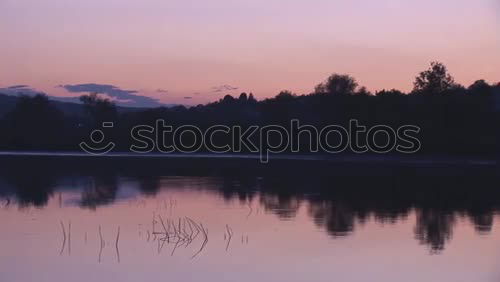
252	234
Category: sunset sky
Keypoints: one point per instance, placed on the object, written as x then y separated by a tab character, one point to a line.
195	51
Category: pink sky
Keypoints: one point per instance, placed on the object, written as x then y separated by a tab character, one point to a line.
187	47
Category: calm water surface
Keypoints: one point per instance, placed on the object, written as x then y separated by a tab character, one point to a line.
113	227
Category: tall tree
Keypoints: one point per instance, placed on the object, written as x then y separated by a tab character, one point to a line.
434	80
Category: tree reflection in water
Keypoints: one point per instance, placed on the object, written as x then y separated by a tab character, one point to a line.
336	202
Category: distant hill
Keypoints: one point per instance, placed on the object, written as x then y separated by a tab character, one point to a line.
8	102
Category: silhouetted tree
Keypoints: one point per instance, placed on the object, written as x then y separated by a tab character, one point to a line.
363	91
389	93
480	87
35	124
337	84
455	123
243	97
285	95
228	99
435	80
99	109
251	99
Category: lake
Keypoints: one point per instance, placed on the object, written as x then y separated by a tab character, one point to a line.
221	220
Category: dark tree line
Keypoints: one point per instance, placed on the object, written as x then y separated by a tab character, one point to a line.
453	119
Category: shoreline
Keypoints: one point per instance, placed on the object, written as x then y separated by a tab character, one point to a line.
384	159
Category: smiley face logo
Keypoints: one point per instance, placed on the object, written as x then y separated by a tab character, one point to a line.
98	146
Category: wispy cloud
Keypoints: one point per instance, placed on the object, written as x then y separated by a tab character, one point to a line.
162	91
125	98
224	88
17	90
22	86
120	96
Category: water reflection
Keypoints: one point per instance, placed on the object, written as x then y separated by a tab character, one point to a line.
99	190
338	204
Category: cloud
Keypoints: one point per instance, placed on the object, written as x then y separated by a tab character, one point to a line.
223	88
163	91
188	97
127	98
18	86
17	90
124	98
